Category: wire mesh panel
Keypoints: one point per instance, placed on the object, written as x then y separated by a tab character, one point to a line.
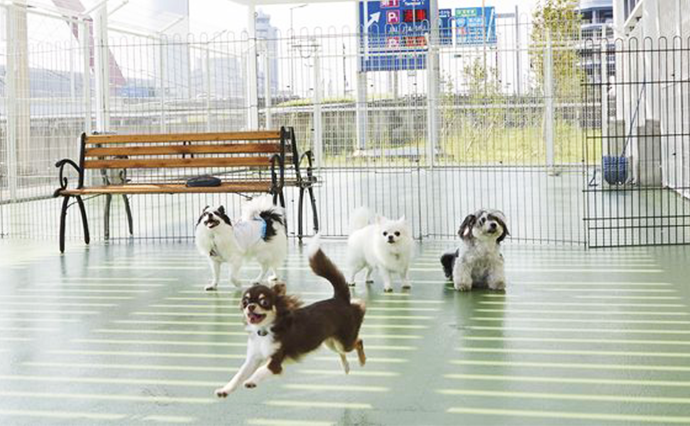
638	119
466	126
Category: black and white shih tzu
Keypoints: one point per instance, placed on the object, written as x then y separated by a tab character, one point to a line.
259	234
281	330
480	262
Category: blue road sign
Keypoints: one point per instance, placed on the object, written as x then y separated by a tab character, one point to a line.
475	26
445	30
396	34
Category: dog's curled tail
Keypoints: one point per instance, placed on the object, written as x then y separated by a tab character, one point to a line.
324	267
360	218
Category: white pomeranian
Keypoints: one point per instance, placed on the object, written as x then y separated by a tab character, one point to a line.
381	244
259	234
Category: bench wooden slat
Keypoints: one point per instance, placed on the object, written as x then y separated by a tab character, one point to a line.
162	163
237	148
181	137
168	188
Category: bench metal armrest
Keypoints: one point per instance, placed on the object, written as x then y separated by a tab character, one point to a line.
63	180
309	181
276	158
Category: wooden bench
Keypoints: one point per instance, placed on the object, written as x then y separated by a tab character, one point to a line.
246	162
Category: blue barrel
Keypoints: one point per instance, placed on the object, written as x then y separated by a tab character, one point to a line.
615	169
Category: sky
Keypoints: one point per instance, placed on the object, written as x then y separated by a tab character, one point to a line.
212	16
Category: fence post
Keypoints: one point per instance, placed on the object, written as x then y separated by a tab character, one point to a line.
548	104
252	80
604	84
433	78
102	68
84	44
12	74
361	78
318	128
267	86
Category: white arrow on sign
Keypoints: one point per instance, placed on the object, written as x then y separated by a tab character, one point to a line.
374	19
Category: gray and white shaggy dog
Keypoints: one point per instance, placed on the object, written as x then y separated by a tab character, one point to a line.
479	261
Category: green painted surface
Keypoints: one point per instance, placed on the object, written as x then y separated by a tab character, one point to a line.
124	334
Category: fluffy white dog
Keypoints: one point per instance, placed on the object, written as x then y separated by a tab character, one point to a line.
259	234
480	261
381	244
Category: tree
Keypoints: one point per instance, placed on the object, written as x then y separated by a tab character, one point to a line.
560	19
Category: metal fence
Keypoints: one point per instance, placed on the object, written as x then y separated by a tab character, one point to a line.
640	117
498	125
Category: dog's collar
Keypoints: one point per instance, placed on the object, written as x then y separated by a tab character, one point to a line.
262	332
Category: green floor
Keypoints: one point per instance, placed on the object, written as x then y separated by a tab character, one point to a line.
124	334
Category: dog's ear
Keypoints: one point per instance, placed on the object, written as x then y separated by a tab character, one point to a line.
501	219
378	219
279	289
402	219
201	216
220	211
465	231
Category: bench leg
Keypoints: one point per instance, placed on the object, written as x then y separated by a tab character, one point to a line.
84	221
128	210
106	217
313	210
299	215
63	216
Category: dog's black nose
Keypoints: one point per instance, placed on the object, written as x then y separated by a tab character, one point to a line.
492	225
390	238
251	308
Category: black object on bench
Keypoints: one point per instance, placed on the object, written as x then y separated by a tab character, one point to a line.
248	162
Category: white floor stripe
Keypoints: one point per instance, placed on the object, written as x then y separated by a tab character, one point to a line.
15	339
560	415
336	388
173	322
606	296
71	290
391	336
643	305
579	320
58	304
171	332
583	330
568	380
319	404
281	422
567	396
136	279
106	397
369	359
37	320
98	285
47	311
160	342
576	284
363	373
112	381
392	326
147	354
166	419
574	340
189	314
28	329
509	311
53	414
575	352
574	365
603	290
145	367
70	297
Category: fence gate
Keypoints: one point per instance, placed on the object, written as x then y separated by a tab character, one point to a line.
638	142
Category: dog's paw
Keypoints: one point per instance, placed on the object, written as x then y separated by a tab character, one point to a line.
221	393
352	284
388	290
249	385
211	287
369	282
499	286
406	286
463	287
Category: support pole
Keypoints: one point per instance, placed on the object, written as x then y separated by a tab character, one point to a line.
549	113
85	47
518	65
318	128
102	68
267	87
361	78
604	84
252	81
433	79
